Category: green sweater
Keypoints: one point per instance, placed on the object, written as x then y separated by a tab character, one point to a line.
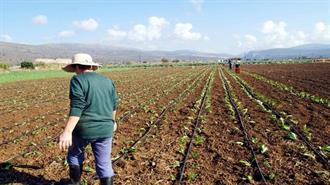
93	99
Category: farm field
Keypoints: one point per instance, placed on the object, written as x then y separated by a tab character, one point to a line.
269	124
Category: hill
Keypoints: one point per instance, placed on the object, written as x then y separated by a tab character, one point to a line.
14	53
302	51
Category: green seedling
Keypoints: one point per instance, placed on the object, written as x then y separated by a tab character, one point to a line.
263	148
199	140
248	178
176	164
326	173
292	136
254	140
89	169
307	132
284	125
172	177
266	163
272	176
325	148
246	163
195	154
239	143
192	176
307	154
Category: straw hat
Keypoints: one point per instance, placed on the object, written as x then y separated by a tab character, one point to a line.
81	59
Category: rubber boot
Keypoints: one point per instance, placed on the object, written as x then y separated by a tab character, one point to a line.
106	181
75	174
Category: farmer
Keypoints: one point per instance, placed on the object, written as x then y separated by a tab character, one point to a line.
92	114
237	65
230	64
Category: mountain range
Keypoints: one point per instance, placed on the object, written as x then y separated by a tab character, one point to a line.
15	53
302	51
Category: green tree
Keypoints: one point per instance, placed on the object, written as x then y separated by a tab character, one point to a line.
176	61
27	65
164	60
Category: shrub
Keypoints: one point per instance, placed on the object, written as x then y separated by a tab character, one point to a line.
4	66
27	65
164	60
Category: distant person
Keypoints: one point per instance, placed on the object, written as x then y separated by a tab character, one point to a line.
230	64
237	66
92	119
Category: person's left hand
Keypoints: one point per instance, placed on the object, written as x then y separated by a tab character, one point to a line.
65	140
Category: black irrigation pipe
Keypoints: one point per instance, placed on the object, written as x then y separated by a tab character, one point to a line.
179	177
50	113
29	132
123	117
293	128
45	126
55	137
31	148
61	96
3	129
159	119
147	131
240	120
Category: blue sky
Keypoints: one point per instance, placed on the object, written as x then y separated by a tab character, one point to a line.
226	26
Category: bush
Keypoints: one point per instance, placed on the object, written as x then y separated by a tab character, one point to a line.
164	60
27	65
4	66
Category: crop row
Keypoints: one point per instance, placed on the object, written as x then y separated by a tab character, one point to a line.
293	91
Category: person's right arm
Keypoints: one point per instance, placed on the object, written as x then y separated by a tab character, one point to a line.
115	101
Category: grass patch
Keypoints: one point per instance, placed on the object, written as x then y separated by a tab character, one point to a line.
14	76
30	75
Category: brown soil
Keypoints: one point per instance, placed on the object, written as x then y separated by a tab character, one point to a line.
215	161
312	78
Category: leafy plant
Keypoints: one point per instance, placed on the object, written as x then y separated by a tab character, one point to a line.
254	139
89	169
176	164
307	132
263	148
292	136
248	178
199	140
325	148
246	163
195	154
192	176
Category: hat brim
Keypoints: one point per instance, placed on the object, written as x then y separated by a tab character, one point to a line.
68	68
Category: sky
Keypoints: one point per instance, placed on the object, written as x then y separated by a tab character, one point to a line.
221	26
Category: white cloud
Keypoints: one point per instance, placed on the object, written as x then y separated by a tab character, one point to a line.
183	31
88	24
115	33
6	37
140	33
153	31
321	32
40	19
66	33
197	4
250	38
275	35
156	24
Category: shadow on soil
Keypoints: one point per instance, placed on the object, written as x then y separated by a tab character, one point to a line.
10	175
